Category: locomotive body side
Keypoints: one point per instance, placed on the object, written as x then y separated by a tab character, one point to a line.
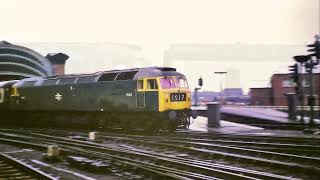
151	98
96	96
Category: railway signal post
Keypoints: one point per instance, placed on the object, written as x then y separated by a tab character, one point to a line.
291	97
301	59
196	89
309	67
292	106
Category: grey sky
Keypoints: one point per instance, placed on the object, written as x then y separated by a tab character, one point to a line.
154	25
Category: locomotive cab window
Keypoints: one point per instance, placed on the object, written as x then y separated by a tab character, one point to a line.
168	83
140	84
182	82
14	91
152	84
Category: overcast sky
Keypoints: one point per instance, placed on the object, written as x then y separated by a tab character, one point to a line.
154	25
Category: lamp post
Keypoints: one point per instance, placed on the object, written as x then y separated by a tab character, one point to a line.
221	73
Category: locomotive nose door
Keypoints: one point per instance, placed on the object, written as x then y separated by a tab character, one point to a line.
140	94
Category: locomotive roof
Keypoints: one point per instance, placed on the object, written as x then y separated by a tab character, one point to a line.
126	74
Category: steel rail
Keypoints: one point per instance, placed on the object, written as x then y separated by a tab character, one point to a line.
12	168
216	171
210	171
76	150
283	164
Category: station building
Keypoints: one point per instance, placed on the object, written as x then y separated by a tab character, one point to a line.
281	84
18	62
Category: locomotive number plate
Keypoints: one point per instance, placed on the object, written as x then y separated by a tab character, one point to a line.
177	97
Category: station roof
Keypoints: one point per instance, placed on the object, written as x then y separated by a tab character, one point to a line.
17	62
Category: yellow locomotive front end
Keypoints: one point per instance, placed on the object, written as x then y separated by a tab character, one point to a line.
174	94
175	100
166	93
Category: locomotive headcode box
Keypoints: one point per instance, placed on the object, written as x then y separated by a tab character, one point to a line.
177	97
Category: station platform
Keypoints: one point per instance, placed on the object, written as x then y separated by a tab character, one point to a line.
201	125
246	115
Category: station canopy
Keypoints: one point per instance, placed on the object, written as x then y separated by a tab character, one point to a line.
17	62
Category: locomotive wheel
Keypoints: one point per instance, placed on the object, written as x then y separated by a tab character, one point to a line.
186	121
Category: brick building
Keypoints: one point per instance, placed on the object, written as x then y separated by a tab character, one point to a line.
261	96
281	84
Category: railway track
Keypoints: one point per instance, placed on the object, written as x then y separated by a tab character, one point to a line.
291	145
301	149
173	167
251	155
307	160
11	168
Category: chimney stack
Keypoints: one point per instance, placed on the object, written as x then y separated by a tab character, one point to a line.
58	61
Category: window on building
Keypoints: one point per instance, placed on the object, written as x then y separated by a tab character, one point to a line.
306	83
152	84
288	83
140	84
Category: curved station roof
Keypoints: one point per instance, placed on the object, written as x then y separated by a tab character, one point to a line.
17	62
